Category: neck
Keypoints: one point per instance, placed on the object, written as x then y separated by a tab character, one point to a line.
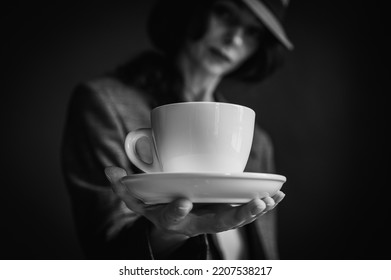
199	85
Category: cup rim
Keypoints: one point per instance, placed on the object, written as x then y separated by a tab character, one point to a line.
203	102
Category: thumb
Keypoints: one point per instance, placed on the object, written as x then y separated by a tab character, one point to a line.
114	175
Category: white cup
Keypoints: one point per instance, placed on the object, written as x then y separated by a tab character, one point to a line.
196	137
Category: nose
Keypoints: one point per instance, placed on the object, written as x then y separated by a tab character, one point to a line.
235	36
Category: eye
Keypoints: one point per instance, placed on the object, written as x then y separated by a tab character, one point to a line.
224	13
255	32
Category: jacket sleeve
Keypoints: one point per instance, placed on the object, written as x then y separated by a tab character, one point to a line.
93	139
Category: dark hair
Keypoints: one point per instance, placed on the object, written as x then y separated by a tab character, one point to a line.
172	22
152	72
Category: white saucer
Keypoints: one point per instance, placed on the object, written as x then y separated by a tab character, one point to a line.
155	188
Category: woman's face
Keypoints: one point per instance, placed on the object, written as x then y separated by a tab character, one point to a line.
232	35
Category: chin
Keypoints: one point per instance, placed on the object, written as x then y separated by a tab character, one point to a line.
218	69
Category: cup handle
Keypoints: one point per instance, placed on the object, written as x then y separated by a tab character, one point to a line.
130	149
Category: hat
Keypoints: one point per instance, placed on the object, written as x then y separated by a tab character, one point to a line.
271	13
166	28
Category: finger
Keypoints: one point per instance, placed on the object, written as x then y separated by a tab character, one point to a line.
114	175
256	207
254	217
240	215
278	197
270	203
174	213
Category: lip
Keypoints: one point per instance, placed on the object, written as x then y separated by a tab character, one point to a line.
219	54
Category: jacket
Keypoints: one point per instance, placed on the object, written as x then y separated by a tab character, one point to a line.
100	114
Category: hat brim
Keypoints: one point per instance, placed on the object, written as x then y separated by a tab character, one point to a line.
270	21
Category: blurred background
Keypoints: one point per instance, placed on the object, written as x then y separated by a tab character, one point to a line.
325	111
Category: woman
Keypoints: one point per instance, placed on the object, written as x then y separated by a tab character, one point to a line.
200	42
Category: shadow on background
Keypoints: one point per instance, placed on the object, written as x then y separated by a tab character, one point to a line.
324	111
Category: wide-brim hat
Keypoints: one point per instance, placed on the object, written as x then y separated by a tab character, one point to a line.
166	28
271	13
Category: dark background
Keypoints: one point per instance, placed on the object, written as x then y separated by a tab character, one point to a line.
325	111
